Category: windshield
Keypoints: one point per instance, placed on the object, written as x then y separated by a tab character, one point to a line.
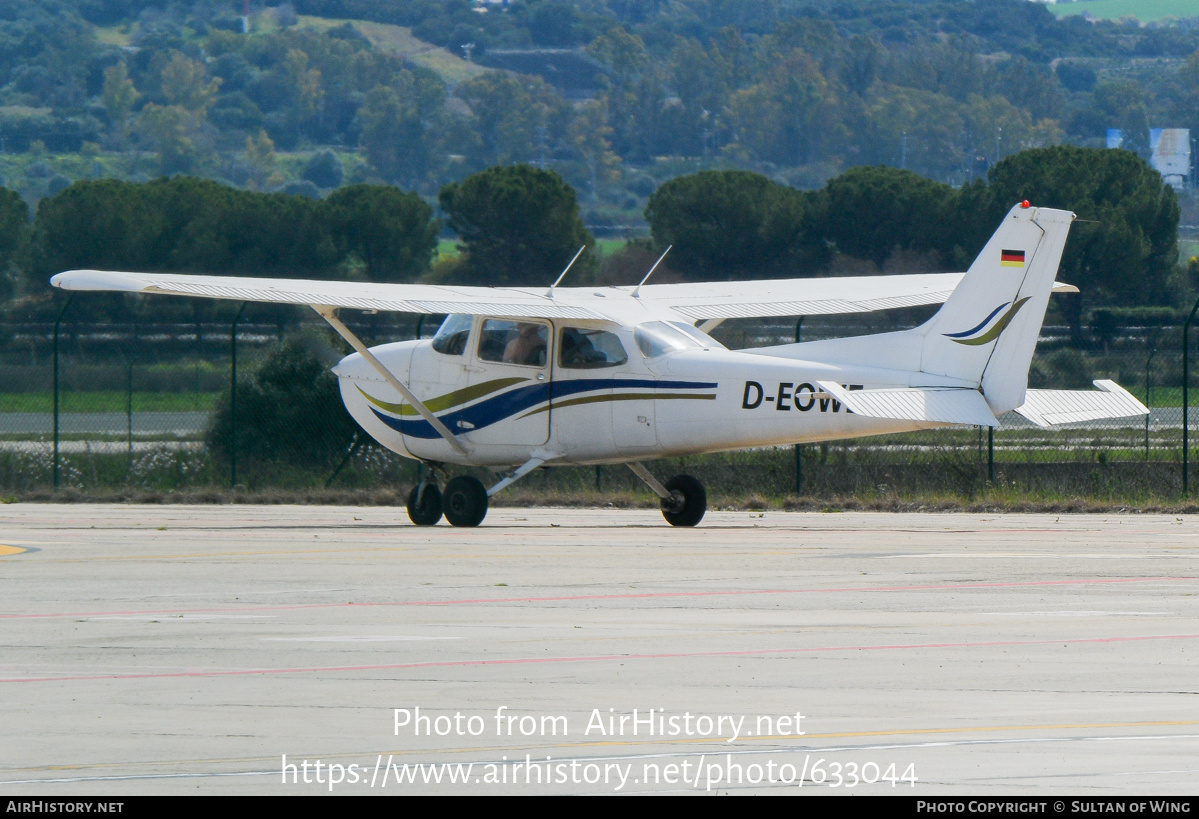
698	334
452	334
657	338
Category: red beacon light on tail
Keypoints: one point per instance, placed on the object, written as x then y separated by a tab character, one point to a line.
1025	204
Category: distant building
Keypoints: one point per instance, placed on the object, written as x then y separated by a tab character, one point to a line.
1171	153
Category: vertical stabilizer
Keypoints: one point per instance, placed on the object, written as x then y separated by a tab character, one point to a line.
987	330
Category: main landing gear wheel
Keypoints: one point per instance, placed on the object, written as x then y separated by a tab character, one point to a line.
429	510
465	501
688	501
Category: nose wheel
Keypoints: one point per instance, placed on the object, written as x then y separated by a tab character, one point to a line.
424	504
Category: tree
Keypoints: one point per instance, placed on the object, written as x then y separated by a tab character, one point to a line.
119	96
518	224
874	210
736	224
392	231
170	131
261	159
510	112
103	224
288	412
14	232
590	131
792	116
914	129
181	223
1125	244
397	131
185	83
324	170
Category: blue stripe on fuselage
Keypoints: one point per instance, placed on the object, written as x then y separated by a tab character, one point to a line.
499	407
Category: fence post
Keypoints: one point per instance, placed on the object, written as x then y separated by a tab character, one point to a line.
1148	386
233	397
129	413
1186	376
798	447
57	323
991	455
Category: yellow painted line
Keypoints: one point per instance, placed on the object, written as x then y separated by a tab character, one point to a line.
5	551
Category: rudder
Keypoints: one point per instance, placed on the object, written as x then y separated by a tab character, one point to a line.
987	330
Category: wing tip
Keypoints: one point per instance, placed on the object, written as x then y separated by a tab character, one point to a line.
96	280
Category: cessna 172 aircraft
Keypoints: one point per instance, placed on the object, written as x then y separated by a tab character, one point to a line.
520	378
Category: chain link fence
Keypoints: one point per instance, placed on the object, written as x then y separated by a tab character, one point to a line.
149	407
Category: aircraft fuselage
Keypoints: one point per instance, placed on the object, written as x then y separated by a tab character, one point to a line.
679	402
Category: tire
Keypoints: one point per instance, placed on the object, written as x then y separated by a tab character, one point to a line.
465	501
429	512
690	501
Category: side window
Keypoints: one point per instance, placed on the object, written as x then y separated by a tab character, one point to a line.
452	335
514	342
586	349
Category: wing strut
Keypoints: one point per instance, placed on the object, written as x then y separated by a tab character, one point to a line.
329	314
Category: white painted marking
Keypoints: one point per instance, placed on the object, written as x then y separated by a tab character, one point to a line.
1077	613
162	618
355	638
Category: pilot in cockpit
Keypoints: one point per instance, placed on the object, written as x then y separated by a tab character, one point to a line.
528	347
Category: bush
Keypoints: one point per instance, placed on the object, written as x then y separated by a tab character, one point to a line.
289	412
324	170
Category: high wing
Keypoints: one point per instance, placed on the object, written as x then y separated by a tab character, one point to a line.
807	297
400	298
694	301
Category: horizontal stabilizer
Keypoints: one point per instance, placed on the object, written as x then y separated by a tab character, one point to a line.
943	405
1047	408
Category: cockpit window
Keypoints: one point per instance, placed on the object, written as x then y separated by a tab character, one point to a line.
657	338
587	349
452	334
514	342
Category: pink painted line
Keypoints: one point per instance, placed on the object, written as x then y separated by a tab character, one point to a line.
597	658
576	597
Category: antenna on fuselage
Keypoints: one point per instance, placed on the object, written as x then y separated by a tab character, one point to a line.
550	294
651	271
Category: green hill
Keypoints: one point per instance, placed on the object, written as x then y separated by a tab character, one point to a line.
1147	11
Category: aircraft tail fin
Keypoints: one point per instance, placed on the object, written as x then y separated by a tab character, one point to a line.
986	331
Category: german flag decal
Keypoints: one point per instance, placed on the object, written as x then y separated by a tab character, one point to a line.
1011	258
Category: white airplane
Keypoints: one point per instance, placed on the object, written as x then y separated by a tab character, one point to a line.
518	378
